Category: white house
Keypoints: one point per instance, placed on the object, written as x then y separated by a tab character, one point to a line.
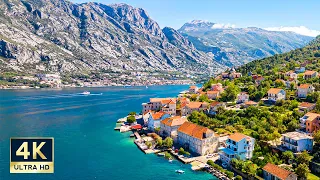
156	104
155	119
297	141
275	94
197	139
304	90
217	87
213	94
169	126
291	74
193	89
237	145
242	97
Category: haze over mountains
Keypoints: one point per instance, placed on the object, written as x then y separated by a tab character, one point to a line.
59	36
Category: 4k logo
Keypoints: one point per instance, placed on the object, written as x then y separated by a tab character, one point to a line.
31	155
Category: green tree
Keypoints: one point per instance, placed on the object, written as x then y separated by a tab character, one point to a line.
131	119
288	155
317	108
148	144
303	158
182	151
193	97
229	174
168	142
159	141
203	98
302	170
238	177
230	93
210	162
316	136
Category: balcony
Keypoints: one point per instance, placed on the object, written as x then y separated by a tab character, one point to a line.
294	143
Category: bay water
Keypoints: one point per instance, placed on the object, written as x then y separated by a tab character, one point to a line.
86	144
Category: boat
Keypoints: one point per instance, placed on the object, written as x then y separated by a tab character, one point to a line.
160	154
179	171
170	160
85	93
146	87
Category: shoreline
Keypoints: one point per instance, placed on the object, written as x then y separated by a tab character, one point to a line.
74	87
196	164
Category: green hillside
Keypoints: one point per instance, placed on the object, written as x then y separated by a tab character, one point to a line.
308	56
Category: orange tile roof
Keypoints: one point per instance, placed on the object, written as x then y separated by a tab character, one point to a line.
250	103
214	103
274	90
309	72
237	137
306	104
168	101
194	105
174	121
312	116
276	171
159	99
194	130
212	92
193	87
157	115
304	86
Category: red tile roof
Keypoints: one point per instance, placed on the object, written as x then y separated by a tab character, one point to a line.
237	137
274	91
304	86
194	130
195	105
276	171
158	115
214	103
212	92
250	103
306	104
309	72
174	121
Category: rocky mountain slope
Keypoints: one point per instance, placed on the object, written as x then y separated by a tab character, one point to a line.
236	46
59	36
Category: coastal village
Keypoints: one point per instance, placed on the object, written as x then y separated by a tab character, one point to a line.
56	80
237	126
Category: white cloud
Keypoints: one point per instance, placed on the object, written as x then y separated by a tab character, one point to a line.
299	30
223	26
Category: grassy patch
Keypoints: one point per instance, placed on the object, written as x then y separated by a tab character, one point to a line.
312	177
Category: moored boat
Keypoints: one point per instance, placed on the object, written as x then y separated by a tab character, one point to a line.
179	171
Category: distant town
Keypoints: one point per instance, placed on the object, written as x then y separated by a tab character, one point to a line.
55	80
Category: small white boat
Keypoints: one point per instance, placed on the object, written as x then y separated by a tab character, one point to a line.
170	160
85	93
161	154
179	171
146	87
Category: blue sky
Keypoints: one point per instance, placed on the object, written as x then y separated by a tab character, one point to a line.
274	14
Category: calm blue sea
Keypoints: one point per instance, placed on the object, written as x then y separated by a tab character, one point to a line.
86	146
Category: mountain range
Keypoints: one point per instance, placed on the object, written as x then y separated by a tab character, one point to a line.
236	46
60	36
